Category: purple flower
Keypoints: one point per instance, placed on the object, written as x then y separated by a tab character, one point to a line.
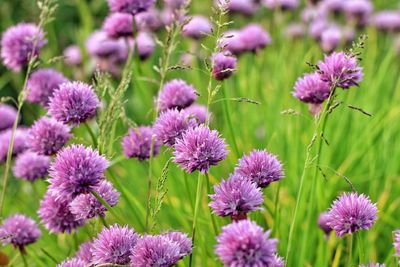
175	4
118	25
371	264
56	216
198	112
132	7
73	102
149	20
145	45
358	11
184	242
137	143
223	65
47	136
19	230
330	38
199	149
245	7
76	170
281	4
41	85
350	213
317	27
84	253
171	124
86	206
387	20
197	27
295	31
176	94
19	43
113	245
98	44
396	243
236	197
260	167
72	55
8	115
231	41
341	70
31	166
278	261
333	6
311	89
254	37
244	243
74	262
155	251
20	143
323	221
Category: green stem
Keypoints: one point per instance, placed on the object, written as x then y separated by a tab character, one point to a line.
105	204
149	184
229	121
214	224
103	221
23	253
196	211
91	133
350	244
360	248
49	256
186	179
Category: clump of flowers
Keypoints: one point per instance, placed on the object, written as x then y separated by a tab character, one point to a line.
113	245
197	27
76	170
176	94
31	166
223	65
351	213
236	197
86	206
73	102
184	242
8	115
19	43
41	85
47	136
323	221
20	231
311	89
130	6
199	149
260	167
244	243
170	126
138	143
118	25
56	215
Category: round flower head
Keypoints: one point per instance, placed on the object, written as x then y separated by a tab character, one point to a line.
260	167
145	44
341	70
86	206
350	213
73	102
358	11
387	20
223	66
175	4
198	112
118	25
295	31
47	136
281	4
230	41
56	216
311	89
323	221
197	27
373	265
254	37
74	262
155	251
31	166
132	7
176	94
245	7
333	6
184	242
100	45
72	55
148	21
396	243
41	85
236	197
171	124
19	230
20	144
113	245
84	253
137	143
330	38
317	27
199	149
76	170
8	115
19	43
244	243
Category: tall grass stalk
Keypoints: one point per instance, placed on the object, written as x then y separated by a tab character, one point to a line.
196	212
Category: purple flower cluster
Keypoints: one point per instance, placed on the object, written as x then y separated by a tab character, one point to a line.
145	45
197	27
130	6
8	115
118	25
198	112
72	55
176	94
20	142
138	143
323	223
351	213
311	89
31	166
223	65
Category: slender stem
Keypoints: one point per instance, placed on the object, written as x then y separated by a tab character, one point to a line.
105	204
196	211
91	133
214	224
186	179
49	255
229	121
149	184
360	247
103	221
23	253
350	248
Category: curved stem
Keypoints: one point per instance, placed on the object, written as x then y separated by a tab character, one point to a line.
91	133
196	211
214	223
